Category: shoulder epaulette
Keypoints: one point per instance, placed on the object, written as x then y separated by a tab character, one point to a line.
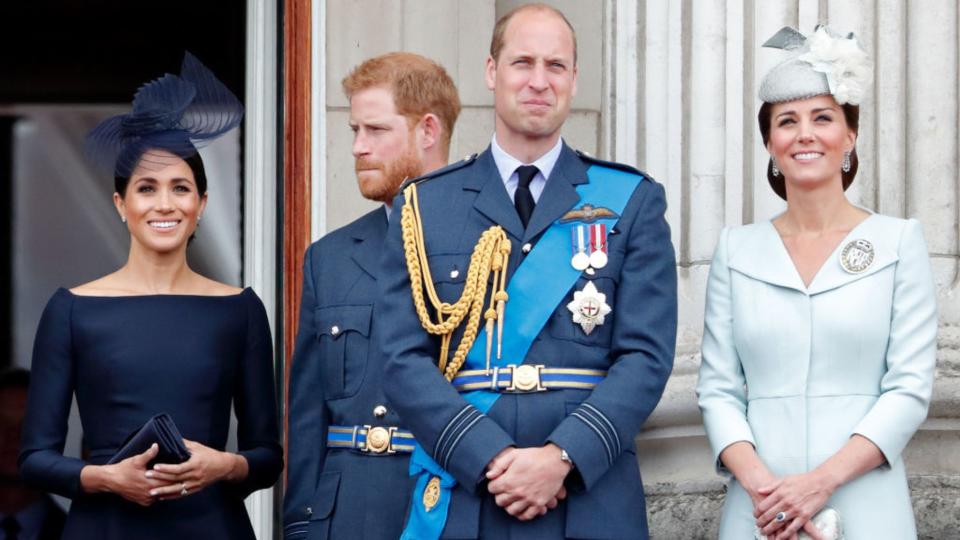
611	164
440	172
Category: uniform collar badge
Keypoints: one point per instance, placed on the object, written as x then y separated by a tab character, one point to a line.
589	307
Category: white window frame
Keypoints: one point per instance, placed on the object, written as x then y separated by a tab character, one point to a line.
260	194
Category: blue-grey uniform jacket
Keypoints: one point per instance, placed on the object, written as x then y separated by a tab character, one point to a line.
596	427
336	380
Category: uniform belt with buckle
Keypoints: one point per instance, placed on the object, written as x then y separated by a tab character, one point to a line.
371	439
527	378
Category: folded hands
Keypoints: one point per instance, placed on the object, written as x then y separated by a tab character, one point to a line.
528	482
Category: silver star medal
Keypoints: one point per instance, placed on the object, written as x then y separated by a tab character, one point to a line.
589	307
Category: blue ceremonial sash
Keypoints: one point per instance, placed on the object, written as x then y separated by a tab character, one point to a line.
537	287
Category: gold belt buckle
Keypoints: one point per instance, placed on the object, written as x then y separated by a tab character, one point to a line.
379	440
526	378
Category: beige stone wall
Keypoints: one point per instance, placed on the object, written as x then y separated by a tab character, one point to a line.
690	120
455	33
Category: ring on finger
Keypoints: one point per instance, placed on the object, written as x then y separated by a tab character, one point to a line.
184	491
780	517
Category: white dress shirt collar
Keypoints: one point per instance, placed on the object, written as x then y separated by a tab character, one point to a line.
507	167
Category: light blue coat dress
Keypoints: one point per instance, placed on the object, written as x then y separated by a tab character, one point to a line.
797	370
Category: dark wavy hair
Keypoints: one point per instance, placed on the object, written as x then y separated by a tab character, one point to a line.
850	112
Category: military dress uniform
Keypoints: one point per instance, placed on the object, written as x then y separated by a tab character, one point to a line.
596	424
347	475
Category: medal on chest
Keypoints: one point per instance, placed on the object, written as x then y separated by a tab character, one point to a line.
589	307
589	245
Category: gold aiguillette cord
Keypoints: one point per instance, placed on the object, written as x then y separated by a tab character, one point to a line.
490	256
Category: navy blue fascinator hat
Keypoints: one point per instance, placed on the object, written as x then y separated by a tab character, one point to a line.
171	115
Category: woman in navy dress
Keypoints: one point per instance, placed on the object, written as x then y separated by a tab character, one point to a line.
154	337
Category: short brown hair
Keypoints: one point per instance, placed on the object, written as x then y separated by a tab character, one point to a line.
419	86
852	115
496	43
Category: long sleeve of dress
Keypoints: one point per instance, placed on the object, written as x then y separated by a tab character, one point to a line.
255	404
906	387
42	463
721	387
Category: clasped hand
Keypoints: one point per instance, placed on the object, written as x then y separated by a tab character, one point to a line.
527	482
132	480
205	466
799	497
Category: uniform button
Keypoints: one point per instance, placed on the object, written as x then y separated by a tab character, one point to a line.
454	274
309	511
334	330
526	248
379	411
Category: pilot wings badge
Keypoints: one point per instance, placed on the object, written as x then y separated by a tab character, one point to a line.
588	213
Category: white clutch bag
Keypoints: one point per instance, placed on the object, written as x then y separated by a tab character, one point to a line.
827	521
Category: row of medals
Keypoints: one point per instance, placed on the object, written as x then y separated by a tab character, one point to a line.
589	246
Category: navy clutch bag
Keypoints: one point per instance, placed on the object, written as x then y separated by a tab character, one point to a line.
161	430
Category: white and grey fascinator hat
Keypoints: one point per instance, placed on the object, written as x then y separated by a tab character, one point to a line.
823	63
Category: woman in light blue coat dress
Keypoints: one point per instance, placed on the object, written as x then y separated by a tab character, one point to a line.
820	325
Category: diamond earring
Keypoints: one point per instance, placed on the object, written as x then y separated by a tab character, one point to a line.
845	165
774	170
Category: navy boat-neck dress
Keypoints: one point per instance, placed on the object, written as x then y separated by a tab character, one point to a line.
130	358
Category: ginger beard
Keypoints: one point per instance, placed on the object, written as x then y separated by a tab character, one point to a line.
380	181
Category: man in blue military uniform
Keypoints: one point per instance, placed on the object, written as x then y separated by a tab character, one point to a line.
347	449
530	294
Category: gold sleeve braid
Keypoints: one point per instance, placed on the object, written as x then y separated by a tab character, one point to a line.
490	256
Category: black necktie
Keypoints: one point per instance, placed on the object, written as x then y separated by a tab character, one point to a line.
11	527
523	199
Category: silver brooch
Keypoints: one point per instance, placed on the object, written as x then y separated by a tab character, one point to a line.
857	256
589	307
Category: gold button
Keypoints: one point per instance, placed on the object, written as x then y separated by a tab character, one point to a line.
379	411
334	330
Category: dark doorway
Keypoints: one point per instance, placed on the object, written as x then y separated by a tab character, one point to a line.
100	51
65	65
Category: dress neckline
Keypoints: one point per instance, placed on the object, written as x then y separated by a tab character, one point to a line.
173	295
833	253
